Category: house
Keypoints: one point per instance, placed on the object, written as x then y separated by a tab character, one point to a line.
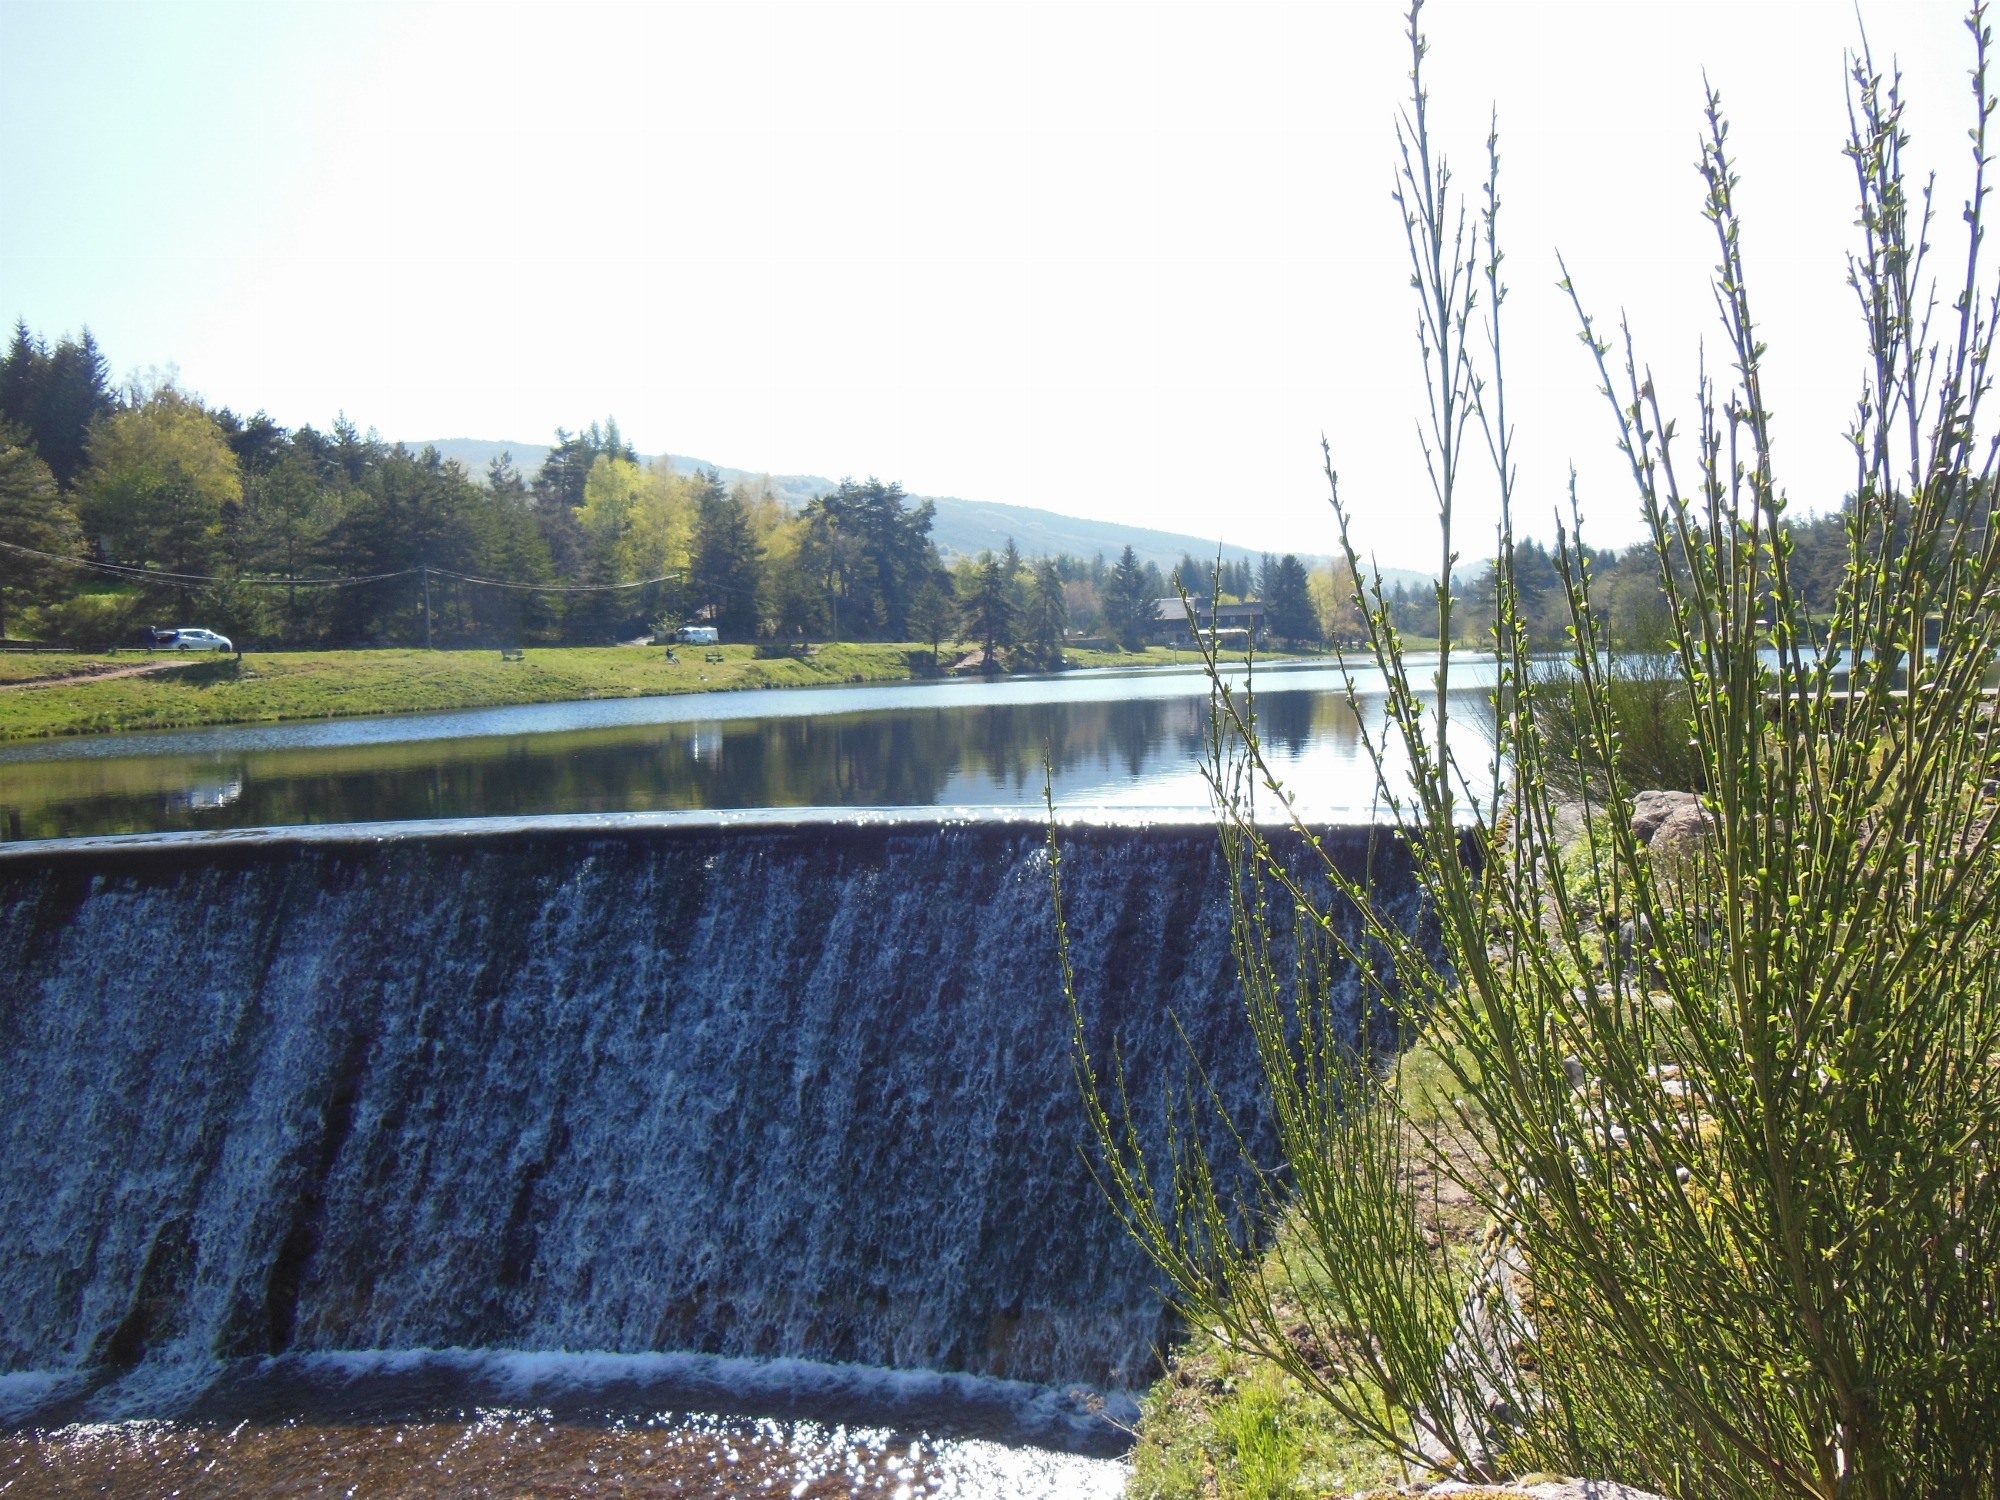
1245	621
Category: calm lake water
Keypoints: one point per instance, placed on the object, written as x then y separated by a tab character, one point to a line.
1118	742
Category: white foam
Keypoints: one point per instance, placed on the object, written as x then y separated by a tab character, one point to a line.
532	1376
22	1391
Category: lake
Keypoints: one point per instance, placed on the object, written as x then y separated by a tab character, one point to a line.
1117	743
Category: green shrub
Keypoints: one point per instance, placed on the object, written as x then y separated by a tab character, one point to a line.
91	622
1740	1155
1650	710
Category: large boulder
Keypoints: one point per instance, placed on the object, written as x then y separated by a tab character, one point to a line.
1652	812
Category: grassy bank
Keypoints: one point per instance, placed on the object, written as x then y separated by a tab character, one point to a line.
261	688
1225	1423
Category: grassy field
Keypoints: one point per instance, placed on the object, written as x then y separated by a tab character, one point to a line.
260	688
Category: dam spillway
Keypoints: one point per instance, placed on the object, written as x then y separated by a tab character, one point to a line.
784	1090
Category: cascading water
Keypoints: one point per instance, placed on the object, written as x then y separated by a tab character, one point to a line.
792	1092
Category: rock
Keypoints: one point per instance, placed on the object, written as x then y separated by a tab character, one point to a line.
1635	935
1677	843
1652	810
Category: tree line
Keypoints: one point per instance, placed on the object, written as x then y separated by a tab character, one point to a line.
125	508
146	506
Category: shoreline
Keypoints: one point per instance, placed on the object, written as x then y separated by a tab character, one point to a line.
304	686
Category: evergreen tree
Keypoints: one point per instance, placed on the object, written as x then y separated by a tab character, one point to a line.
985	608
54	396
288	514
504	480
353	454
416	511
1288	606
560	481
512	549
559	493
259	444
1200	579
1130	601
875	553
932	613
723	578
1047	618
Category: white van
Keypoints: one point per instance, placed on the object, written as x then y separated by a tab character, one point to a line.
698	635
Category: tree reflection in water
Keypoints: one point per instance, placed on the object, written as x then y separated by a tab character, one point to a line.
972	754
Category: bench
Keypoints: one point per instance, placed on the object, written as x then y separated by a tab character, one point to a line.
512	653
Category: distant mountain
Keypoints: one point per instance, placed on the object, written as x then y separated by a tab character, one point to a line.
476	453
963	528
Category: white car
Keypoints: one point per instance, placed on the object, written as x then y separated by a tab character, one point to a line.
187	638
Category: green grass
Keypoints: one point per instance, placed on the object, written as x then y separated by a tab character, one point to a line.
340	684
1222	1422
1227	1422
268	688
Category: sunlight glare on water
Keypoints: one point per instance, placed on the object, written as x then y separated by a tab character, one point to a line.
506	1453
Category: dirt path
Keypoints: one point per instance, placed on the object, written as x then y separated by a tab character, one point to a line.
76	677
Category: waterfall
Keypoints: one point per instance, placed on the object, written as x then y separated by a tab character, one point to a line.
783	1092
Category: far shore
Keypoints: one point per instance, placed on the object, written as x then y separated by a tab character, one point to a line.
48	695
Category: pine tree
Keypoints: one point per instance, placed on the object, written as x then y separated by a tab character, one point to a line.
53	396
1131	605
987	613
724	574
1048	613
1288	606
932	613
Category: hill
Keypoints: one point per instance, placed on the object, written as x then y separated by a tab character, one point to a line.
963	528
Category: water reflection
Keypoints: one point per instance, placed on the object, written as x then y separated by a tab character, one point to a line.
1143	750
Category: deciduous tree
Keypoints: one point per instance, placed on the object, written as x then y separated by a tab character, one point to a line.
33	515
160	474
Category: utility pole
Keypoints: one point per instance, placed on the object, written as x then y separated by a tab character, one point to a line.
425	568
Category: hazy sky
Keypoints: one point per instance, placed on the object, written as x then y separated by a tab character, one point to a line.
1125	261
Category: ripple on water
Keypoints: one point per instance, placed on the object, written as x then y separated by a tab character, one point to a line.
517	1453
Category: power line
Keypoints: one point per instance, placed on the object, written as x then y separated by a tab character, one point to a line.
154	575
558	588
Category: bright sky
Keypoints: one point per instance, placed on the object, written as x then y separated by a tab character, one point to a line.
1125	261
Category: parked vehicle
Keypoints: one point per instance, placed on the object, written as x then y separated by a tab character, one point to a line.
192	638
698	635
